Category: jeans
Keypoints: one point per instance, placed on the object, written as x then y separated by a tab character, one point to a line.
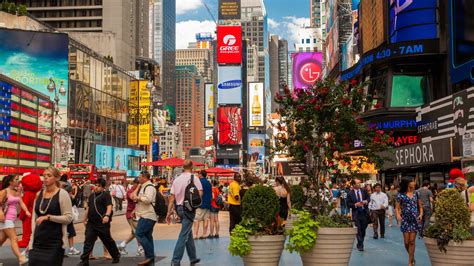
118	204
144	235
426	218
344	210
185	239
235	216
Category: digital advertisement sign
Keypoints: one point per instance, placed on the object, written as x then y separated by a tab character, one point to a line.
229	122
229	86
209	105
229	44
32	58
115	158
255	105
256	148
229	9
413	20
160	119
307	68
461	14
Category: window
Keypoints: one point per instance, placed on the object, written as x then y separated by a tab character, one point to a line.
314	40
302	40
408	91
307	41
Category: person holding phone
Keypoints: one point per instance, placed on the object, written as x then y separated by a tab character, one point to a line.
409	211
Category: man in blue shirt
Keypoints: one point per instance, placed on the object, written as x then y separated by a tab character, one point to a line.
203	212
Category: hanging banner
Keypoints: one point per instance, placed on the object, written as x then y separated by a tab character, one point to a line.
209	105
144	114
229	125
255	105
133	114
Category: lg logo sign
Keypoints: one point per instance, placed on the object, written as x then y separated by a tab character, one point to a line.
229	40
310	72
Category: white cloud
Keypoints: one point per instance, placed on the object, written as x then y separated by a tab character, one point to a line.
186	31
183	6
288	28
273	24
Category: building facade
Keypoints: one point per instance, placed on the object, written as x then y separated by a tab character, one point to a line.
170	144
164	46
201	58
309	40
190	106
318	15
122	24
278	66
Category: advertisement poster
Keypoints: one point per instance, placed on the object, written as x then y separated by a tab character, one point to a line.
229	9
209	105
307	68
255	104
291	168
115	158
229	86
229	44
229	121
256	148
133	115
32	58
144	113
413	20
160	119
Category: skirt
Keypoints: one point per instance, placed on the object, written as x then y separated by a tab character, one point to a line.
42	256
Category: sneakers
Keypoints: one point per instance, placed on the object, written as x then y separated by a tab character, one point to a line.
73	251
122	251
140	252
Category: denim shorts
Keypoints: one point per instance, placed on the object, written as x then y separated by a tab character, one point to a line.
214	210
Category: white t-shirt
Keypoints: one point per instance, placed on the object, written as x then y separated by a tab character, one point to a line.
179	186
119	191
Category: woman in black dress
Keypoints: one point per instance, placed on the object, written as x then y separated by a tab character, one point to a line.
52	213
282	189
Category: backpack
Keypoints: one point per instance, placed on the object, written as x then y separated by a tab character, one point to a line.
160	204
192	199
220	200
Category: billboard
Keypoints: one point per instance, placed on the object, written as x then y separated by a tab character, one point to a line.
255	105
209	105
229	44
160	119
133	114
413	20
461	41
229	122
307	68
229	9
229	85
115	158
291	168
139	114
256	148
32	58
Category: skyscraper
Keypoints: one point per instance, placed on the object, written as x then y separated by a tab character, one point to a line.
278	66
318	15
164	46
201	58
122	24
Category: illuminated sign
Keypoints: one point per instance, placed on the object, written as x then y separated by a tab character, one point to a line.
229	44
229	121
255	106
229	9
395	124
392	51
256	148
307	68
209	105
229	85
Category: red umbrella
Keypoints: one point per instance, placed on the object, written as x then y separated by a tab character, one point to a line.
218	170
171	162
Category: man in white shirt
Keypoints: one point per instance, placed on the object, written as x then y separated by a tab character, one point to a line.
177	193
378	204
118	192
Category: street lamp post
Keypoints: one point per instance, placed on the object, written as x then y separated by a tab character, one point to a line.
56	124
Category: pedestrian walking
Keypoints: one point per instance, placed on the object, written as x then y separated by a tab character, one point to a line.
10	198
233	199
118	192
145	195
358	199
71	231
52	213
97	219
471	207
178	192
216	204
392	196
343	192
409	211
282	190
132	221
203	212
377	205
425	195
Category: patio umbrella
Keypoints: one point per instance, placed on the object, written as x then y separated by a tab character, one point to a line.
218	170
171	162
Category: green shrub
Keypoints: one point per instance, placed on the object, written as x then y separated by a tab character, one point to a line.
12	8
334	221
453	219
297	197
5	5
303	234
261	204
22	11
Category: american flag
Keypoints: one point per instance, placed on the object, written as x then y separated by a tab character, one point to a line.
25	130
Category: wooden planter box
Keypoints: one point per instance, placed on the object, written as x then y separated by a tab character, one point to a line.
333	247
458	253
265	250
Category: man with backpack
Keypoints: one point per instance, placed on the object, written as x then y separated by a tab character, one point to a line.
145	196
186	193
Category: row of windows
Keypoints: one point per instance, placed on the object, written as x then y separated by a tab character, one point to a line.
47	3
67	13
308	41
76	24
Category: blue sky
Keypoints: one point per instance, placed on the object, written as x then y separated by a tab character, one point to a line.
285	17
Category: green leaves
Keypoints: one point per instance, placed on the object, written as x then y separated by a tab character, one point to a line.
261	204
239	243
297	197
303	234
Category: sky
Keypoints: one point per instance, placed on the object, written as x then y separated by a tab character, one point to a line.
284	18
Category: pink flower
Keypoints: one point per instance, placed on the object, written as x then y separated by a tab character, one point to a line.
294	96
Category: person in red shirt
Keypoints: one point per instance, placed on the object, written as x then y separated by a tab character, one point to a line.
215	210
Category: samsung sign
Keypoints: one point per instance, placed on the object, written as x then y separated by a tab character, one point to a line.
229	85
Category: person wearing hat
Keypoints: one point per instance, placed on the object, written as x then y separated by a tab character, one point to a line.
97	219
132	220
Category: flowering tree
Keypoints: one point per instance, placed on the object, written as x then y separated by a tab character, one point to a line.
322	123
